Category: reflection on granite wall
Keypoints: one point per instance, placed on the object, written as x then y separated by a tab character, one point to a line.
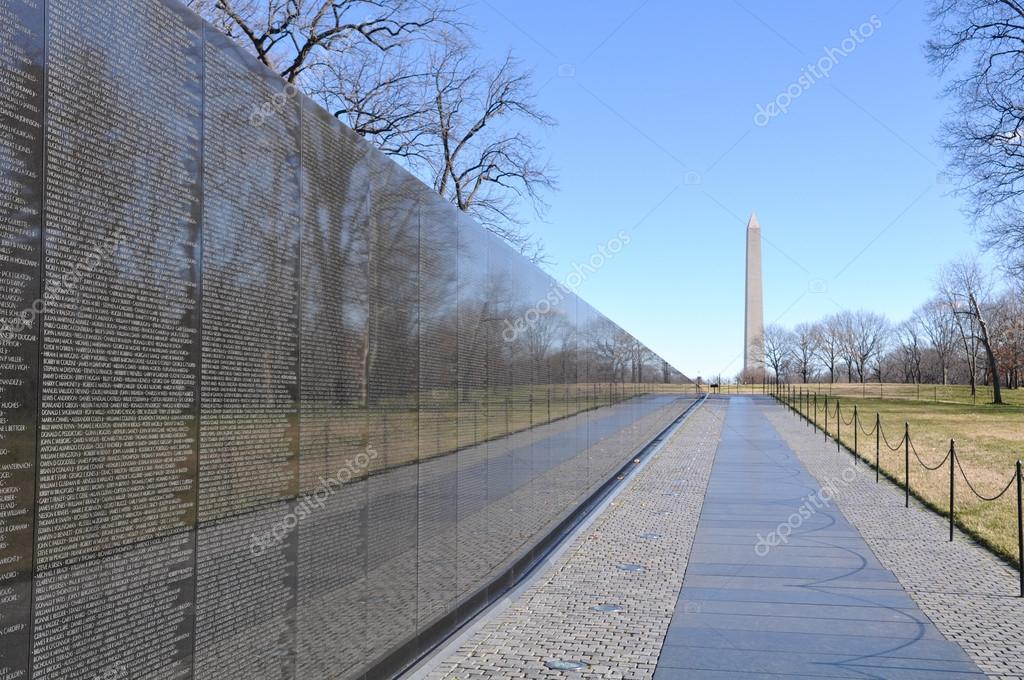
269	408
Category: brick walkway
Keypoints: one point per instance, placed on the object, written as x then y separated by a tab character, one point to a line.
650	525
862	588
780	584
964	590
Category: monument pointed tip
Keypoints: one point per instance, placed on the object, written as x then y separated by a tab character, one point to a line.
753	223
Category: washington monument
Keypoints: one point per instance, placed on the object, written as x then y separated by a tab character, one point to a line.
753	330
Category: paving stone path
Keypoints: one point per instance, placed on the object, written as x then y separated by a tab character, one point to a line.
762	553
650	526
967	592
780	584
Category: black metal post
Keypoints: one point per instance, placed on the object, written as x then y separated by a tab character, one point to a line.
826	418
856	434
839	426
1020	530
878	441
952	490
815	410
906	464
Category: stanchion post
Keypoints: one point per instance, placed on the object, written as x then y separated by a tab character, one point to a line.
952	488
826	418
1020	530
839	428
906	465
878	441
815	410
856	433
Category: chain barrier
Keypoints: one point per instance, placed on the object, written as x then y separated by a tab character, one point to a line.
970	486
925	465
848	422
867	433
876	429
899	444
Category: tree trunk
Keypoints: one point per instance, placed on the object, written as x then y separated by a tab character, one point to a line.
993	369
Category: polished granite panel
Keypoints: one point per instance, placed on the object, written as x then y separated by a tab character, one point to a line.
270	407
21	192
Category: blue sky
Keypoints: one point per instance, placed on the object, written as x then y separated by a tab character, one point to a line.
656	103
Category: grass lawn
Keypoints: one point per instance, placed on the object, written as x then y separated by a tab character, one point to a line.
989	440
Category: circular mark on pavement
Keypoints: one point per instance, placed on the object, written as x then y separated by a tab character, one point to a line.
559	665
607	608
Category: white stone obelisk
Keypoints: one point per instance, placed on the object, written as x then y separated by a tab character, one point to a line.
753	330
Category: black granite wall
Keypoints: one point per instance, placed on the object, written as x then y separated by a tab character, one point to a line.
269	408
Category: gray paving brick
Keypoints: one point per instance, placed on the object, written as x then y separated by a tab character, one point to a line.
964	590
554	618
780	577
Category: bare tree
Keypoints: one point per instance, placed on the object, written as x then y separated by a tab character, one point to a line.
539	337
866	336
981	43
382	97
829	344
936	321
778	349
910	349
640	357
805	350
844	326
484	165
402	74
963	285
1006	327
294	37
